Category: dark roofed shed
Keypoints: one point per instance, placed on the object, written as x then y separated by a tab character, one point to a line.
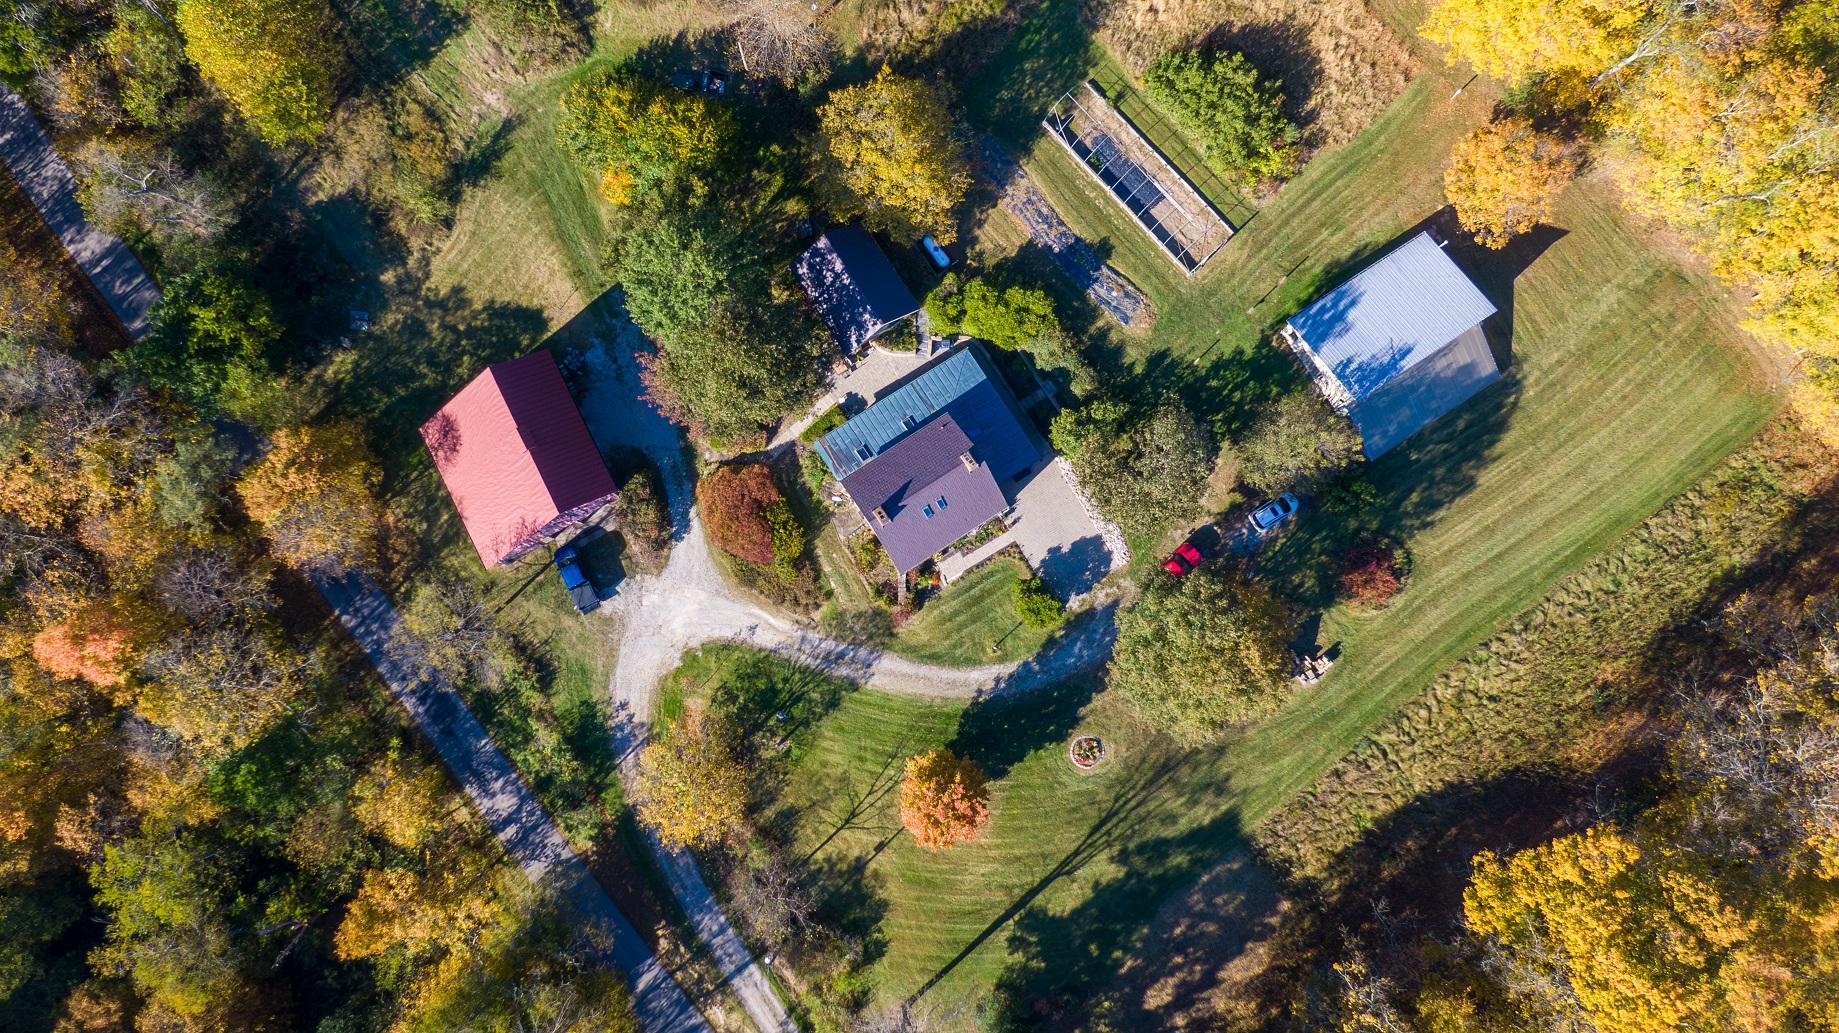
854	287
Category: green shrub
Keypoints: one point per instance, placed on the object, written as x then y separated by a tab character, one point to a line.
1294	440
1237	120
1144	473
831	419
1203	654
641	512
788	538
1008	317
1036	606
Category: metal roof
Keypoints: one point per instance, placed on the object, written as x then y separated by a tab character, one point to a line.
853	286
1393	315
961	382
515	456
929	497
905	450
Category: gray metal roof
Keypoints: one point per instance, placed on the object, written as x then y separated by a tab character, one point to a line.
1436	386
961	383
1393	315
903	452
853	286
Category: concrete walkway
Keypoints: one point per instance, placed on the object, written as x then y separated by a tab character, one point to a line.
508	806
877	369
110	266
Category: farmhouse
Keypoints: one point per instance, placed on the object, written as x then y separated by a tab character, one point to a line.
516	458
854	287
1399	344
935	458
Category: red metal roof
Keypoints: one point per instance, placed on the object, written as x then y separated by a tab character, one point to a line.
516	457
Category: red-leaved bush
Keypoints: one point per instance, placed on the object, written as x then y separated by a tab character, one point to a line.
1370	575
733	501
944	799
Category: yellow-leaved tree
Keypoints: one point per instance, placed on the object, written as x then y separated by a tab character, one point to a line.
692	787
890	152
639	133
279	61
314	495
1718	908
1503	177
1571	42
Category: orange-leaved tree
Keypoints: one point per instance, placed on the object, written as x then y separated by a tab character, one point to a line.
1503	177
734	501
93	645
944	799
314	494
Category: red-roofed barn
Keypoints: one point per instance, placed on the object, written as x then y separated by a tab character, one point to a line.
516	458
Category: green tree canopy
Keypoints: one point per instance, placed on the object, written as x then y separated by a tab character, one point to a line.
1237	119
739	370
676	268
1203	653
208	330
628	125
1008	317
279	61
1295	439
1146	473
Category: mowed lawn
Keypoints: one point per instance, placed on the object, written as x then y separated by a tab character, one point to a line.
1628	380
972	621
1627	384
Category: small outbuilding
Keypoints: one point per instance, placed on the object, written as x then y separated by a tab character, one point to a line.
1398	345
936	457
517	458
854	287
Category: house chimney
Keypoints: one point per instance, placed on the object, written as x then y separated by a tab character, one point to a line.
969	463
881	515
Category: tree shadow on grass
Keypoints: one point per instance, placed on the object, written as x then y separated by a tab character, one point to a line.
1000	732
1135	806
1281	51
1049	53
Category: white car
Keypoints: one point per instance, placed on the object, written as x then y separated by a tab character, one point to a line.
1272	515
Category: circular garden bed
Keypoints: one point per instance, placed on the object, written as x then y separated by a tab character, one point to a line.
1086	752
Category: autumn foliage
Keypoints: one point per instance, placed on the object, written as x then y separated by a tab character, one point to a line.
734	501
944	799
891	154
1370	575
277	60
1503	177
314	495
93	646
692	786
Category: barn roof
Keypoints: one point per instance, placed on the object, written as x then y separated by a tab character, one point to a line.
1393	315
516	457
853	286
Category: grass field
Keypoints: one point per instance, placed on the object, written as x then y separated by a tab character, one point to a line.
972	621
1627	384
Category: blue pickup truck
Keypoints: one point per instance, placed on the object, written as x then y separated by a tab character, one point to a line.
580	589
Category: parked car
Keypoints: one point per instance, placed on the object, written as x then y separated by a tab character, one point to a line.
935	252
1272	515
1185	559
580	589
715	81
